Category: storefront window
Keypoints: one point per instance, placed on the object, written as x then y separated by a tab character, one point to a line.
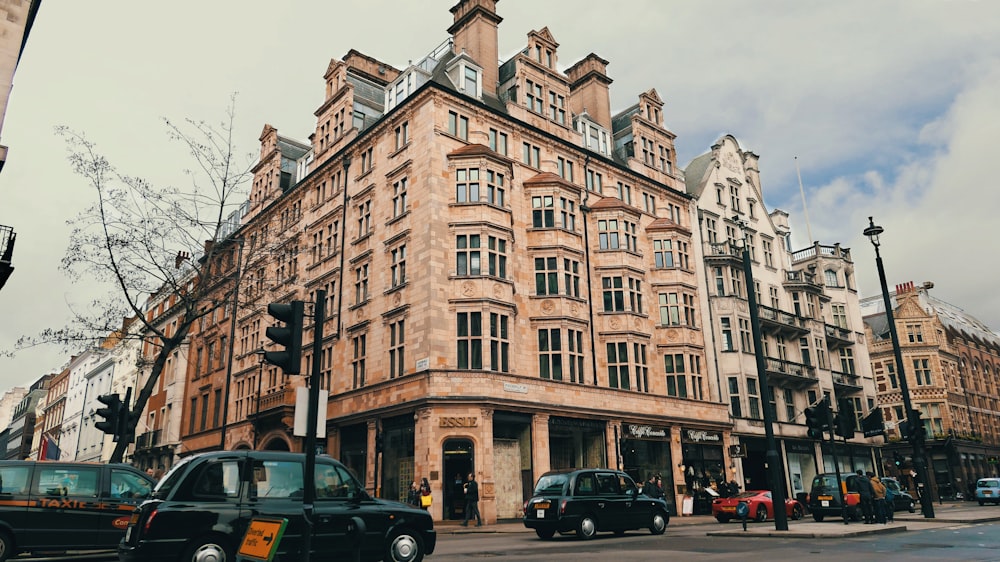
704	471
576	443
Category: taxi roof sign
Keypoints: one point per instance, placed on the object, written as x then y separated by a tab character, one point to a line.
260	542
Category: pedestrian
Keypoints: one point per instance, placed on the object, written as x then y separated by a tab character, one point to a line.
734	488
472	501
426	499
863	487
650	488
413	495
659	486
890	503
878	497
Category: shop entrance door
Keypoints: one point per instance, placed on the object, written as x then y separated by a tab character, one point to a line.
458	463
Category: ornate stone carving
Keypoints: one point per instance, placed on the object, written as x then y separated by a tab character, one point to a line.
548	306
615	323
468	289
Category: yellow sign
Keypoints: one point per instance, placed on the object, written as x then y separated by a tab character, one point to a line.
261	539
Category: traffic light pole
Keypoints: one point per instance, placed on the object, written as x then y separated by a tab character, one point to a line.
919	455
836	465
312	417
771	457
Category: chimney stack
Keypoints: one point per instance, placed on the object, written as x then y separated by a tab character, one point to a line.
588	86
475	32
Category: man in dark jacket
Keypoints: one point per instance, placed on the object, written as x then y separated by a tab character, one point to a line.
472	501
863	487
650	488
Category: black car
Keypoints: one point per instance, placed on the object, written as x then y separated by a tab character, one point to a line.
587	501
52	506
202	508
902	500
826	497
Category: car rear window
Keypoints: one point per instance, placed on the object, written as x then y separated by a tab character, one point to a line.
824	481
552	484
14	479
989	483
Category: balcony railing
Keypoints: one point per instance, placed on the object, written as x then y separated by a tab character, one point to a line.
779	320
846	380
837	336
148	440
803	279
723	251
788	373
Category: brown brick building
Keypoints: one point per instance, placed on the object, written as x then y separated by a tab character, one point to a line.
497	249
951	362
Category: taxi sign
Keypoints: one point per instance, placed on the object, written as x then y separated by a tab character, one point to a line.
260	542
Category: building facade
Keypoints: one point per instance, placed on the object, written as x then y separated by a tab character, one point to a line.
950	361
505	264
812	332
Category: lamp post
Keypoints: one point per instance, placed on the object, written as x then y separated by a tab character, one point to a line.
260	375
919	459
771	457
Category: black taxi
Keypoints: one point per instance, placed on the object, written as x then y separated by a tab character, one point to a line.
586	501
51	506
201	510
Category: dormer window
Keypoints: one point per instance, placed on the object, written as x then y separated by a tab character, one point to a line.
466	76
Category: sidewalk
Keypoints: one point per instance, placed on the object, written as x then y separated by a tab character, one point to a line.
946	514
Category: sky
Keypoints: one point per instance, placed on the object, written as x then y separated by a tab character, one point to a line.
888	106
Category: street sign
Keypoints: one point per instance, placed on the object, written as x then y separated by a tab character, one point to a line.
260	542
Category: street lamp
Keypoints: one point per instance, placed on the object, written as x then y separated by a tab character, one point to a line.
774	466
919	459
260	375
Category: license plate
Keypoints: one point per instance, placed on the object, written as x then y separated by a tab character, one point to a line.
826	498
825	503
728	509
540	513
542	505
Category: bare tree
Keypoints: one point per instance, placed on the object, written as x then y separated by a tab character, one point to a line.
142	239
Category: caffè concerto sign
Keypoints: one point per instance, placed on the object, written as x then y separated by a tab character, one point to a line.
701	436
648	432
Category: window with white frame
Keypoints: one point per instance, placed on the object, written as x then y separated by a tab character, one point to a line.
397	348
470	340
397	269
839	315
734	397
359	347
399	197
467	255
753	398
543	211
533	96
550	359
499	342
915	333
546	276
922	371
571	277
847	361
727	333
663	254
567	214
673	366
467	185
830	278
496	190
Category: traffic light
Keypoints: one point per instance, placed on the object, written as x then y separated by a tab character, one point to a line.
817	419
288	336
111	413
904	429
846	420
917	430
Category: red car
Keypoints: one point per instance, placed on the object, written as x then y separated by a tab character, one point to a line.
759	502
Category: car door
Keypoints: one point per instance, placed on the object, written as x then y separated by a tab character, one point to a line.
611	502
63	508
15	479
333	490
635	510
122	489
276	492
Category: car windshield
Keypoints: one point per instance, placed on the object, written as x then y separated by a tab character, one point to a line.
747	494
551	484
989	484
171	479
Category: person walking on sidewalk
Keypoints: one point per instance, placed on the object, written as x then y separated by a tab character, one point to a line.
472	501
878	497
863	486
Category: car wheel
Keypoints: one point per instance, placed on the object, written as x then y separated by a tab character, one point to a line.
818	517
658	523
545	534
6	546
586	528
797	512
722	519
761	513
213	548
405	546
